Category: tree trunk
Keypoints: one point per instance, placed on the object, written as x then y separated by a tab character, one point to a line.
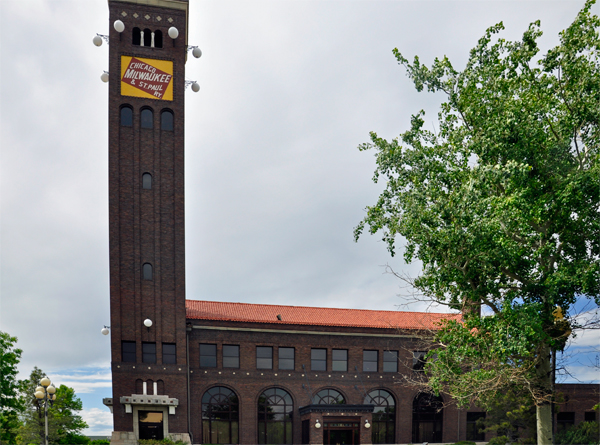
543	408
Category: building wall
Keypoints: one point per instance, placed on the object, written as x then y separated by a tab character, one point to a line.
147	226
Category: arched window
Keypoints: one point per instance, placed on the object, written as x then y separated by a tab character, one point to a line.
220	416
136	36
147	181
275	407
126	117
147	36
166	120
147	271
158	40
384	416
147	118
427	418
329	397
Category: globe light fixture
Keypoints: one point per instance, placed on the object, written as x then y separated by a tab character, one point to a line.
173	32
195	87
317	424
147	323
105	330
196	52
97	40
45	395
367	424
119	26
104	77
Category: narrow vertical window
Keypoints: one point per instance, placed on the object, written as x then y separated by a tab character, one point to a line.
474	427
370	359
231	356
169	353
147	271
339	360
390	361
147	181
318	359
128	351
208	356
264	357
166	120
286	358
135	36
126	117
147	36
419	360
148	352
158	41
147	118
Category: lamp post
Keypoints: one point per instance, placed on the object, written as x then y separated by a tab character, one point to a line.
45	394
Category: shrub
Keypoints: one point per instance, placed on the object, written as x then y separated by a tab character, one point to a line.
584	433
499	440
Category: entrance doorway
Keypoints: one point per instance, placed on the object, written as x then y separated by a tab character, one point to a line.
151	424
341	433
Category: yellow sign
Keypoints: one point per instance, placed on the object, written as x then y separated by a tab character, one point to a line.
149	78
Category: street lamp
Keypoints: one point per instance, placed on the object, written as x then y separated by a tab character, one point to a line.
45	395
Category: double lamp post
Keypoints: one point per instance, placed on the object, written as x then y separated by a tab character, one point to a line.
45	394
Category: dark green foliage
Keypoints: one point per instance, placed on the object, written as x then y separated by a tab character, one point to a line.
63	420
11	404
585	433
100	442
160	442
500	205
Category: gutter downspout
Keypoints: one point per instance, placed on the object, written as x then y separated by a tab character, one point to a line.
187	360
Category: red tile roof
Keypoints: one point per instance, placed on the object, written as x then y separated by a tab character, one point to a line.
312	316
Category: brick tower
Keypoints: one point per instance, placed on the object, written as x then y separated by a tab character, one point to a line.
147	54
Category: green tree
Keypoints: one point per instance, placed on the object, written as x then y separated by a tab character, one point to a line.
10	403
501	205
64	423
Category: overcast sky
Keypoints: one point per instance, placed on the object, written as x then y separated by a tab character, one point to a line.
274	181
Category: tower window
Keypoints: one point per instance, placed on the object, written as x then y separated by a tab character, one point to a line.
158	39
126	117
149	352
166	120
147	181
147	118
147	37
136	36
169	353
128	351
147	271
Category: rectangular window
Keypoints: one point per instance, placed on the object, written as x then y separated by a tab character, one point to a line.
148	352
264	357
473	429
169	353
208	356
339	360
286	358
390	361
318	359
564	421
370	359
231	356
590	416
128	351
419	360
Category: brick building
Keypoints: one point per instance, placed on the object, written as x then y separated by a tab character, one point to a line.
210	372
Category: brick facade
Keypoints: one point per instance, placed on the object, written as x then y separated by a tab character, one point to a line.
146	226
